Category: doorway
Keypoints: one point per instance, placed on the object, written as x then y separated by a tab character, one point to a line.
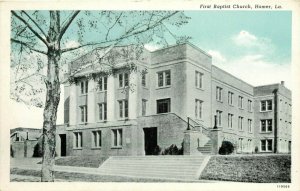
63	145
150	137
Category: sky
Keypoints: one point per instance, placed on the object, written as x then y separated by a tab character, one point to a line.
254	46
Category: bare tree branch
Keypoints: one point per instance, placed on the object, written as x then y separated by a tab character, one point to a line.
37	25
117	20
29	76
67	24
30	28
126	35
81	46
27	45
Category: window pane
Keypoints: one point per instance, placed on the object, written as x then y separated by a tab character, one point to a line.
76	140
263	145
81	139
105	111
86	113
263	125
263	106
115	137
126	79
269	104
105	83
160	79
100	111
100	84
99	139
200	80
121	108
95	138
196	108
269	145
196	79
126	108
82	114
269	125
120	80
82	87
86	86
120	137
144	79
163	106
144	107
168	78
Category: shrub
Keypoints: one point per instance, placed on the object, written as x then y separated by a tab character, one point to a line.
157	150
256	149
226	148
173	150
38	150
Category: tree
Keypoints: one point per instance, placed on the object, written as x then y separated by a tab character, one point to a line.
40	42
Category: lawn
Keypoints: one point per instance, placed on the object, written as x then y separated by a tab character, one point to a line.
80	161
249	168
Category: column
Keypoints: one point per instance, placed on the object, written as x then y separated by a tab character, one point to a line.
111	98
132	100
73	104
91	101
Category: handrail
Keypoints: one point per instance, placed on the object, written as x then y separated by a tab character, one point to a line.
167	114
199	124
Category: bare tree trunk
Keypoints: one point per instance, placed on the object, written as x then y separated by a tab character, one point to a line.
52	99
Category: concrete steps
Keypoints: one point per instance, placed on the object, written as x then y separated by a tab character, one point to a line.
168	167
206	149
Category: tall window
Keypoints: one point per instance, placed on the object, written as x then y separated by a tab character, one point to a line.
230	98
240	123
266	105
240	144
144	107
266	145
84	87
84	113
219	93
117	137
102	111
143	79
198	79
163	105
230	116
164	78
123	80
102	83
123	109
198	109
97	139
219	118
249	145
240	102
249	105
77	140
250	125
266	125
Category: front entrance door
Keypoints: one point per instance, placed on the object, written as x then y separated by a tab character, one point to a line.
150	137
63	145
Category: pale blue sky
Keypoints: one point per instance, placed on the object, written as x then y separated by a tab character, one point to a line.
214	29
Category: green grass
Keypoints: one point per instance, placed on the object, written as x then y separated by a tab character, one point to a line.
80	161
252	168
